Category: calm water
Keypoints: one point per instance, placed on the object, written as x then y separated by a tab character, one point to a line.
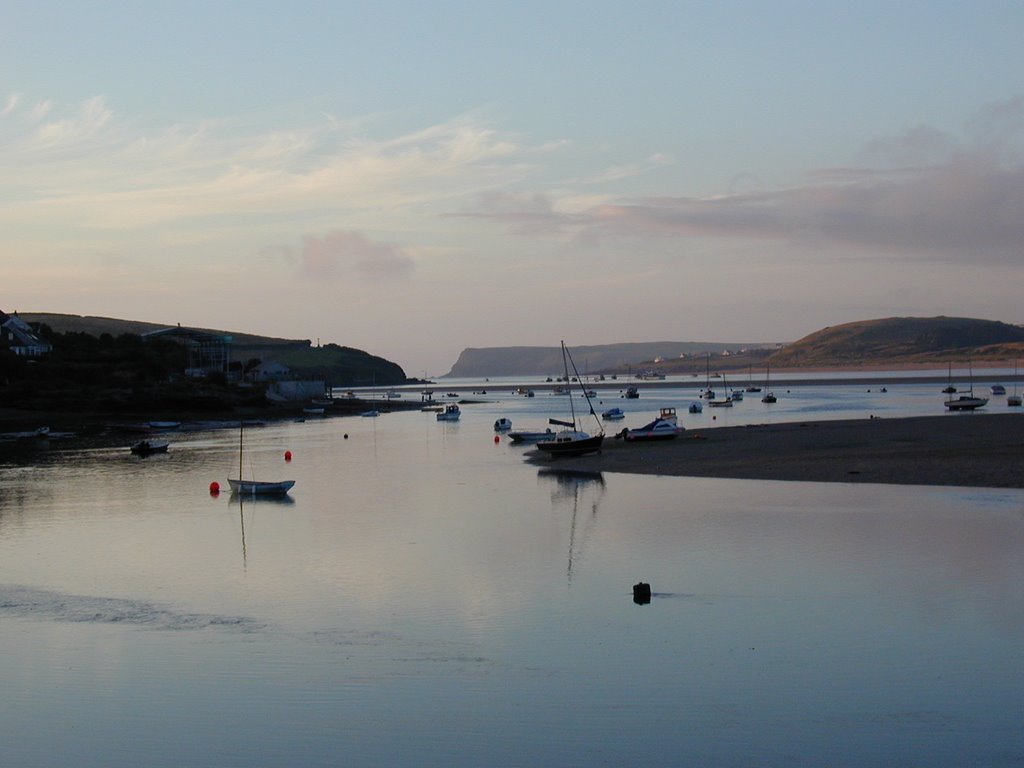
425	598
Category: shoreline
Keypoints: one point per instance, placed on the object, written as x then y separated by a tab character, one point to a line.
965	449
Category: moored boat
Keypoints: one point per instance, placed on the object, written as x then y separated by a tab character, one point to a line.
149	447
572	441
451	412
659	429
613	414
503	424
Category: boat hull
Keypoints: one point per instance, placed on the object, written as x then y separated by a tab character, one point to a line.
260	487
966	403
573	447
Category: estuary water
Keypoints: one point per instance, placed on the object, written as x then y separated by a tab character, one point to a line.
423	597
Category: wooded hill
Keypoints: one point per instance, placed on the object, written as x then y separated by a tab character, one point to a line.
340	366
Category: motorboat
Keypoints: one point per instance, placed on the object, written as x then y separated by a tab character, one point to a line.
503	425
998	389
451	412
149	447
737	395
668	414
659	429
371	414
613	414
632	393
696	407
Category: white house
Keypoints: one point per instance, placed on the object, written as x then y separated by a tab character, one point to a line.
17	336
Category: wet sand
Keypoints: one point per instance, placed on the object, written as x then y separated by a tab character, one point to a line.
963	449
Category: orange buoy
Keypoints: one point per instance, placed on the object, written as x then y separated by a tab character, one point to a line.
287	455
214	488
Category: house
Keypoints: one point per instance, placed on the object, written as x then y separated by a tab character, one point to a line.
18	336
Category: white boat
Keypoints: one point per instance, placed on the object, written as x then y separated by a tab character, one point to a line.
522	436
451	412
613	414
669	415
371	414
968	402
572	441
502	425
256	487
696	407
163	425
737	395
659	429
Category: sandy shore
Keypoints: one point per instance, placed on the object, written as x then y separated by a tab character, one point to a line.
964	449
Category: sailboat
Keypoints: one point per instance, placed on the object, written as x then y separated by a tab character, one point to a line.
571	441
950	389
769	396
726	401
1014	399
256	487
751	386
967	402
709	393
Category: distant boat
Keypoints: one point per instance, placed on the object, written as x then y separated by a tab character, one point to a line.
632	393
709	393
967	402
613	414
949	389
451	412
696	407
522	436
503	424
659	429
371	414
149	447
769	396
751	387
1014	400
256	487
572	441
998	389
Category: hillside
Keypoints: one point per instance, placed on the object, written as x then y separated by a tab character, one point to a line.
340	366
903	340
604	358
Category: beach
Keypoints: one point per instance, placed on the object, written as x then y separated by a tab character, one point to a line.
965	449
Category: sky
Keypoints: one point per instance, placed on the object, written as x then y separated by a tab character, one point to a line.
414	178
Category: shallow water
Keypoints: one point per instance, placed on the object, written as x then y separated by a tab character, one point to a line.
426	598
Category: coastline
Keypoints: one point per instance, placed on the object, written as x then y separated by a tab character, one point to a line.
965	449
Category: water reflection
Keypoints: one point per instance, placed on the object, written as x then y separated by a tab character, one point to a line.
571	487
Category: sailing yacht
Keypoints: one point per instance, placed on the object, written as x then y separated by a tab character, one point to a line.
572	441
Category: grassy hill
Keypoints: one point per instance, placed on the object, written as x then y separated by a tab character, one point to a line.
903	340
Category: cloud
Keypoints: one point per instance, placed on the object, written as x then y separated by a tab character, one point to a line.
921	195
346	253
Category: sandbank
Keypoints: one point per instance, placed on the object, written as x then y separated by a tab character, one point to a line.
959	449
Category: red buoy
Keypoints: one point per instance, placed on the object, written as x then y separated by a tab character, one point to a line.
497	439
214	488
287	455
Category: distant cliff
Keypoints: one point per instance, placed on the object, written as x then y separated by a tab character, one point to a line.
477	362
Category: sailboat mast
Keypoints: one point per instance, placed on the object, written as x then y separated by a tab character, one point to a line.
241	426
565	365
